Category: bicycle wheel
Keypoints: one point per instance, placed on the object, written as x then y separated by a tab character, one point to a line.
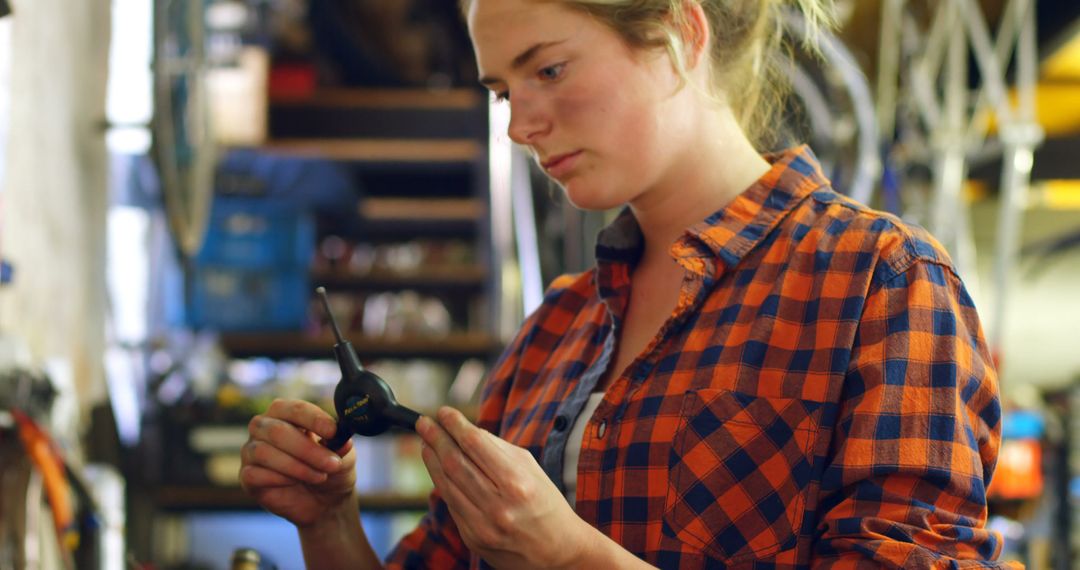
183	143
833	98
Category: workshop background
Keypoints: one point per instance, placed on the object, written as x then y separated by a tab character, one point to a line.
178	176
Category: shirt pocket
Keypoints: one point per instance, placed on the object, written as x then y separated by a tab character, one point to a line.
739	469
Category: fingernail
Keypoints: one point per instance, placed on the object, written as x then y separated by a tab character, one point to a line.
423	424
332	462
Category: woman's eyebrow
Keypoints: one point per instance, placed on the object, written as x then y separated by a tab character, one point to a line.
521	60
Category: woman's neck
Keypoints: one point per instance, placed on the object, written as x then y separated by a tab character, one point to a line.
719	165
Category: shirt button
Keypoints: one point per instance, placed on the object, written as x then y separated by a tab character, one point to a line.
601	428
560	423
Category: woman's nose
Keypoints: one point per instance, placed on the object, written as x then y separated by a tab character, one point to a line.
527	120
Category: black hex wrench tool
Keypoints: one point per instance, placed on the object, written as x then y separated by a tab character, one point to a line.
363	401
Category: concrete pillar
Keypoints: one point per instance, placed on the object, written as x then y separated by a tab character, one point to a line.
53	196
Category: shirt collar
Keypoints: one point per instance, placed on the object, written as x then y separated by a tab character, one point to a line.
731	232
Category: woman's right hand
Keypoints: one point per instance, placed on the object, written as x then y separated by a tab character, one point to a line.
287	470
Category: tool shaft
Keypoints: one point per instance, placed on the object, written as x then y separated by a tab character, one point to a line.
333	322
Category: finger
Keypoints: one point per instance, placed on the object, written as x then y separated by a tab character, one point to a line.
262	454
453	464
481	446
348	465
253	477
463	508
348	458
289	438
303	415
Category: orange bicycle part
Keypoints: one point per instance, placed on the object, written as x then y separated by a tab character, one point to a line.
46	458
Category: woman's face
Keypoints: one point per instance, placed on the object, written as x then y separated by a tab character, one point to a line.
600	118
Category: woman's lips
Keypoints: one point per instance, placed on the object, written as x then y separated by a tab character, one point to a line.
560	165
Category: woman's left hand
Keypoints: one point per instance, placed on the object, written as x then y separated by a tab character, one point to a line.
506	508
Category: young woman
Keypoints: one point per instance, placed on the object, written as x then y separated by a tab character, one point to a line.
759	372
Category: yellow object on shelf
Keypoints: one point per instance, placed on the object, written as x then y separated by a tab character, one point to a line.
1056	110
1056	194
1064	64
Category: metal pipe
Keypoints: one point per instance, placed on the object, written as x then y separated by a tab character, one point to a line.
1027	61
939	38
986	58
506	305
1004	44
888	65
926	68
951	157
1020	138
528	246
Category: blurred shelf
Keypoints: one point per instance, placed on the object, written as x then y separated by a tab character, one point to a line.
426	277
300	345
397	231
384	114
379	150
387	99
214	498
422	209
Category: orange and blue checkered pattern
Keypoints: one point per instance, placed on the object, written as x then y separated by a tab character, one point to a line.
822	395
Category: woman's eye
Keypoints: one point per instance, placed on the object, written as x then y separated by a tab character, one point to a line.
499	97
552	72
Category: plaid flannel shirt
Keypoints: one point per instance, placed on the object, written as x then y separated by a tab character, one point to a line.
822	395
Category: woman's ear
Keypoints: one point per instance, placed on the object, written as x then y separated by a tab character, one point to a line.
695	33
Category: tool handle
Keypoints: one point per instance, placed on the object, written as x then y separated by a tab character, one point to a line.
401	417
341	436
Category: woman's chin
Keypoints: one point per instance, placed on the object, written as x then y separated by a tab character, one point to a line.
588	197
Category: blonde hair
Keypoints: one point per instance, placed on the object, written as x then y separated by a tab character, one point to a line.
748	50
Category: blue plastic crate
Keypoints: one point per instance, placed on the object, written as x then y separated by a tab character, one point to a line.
257	234
238	299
